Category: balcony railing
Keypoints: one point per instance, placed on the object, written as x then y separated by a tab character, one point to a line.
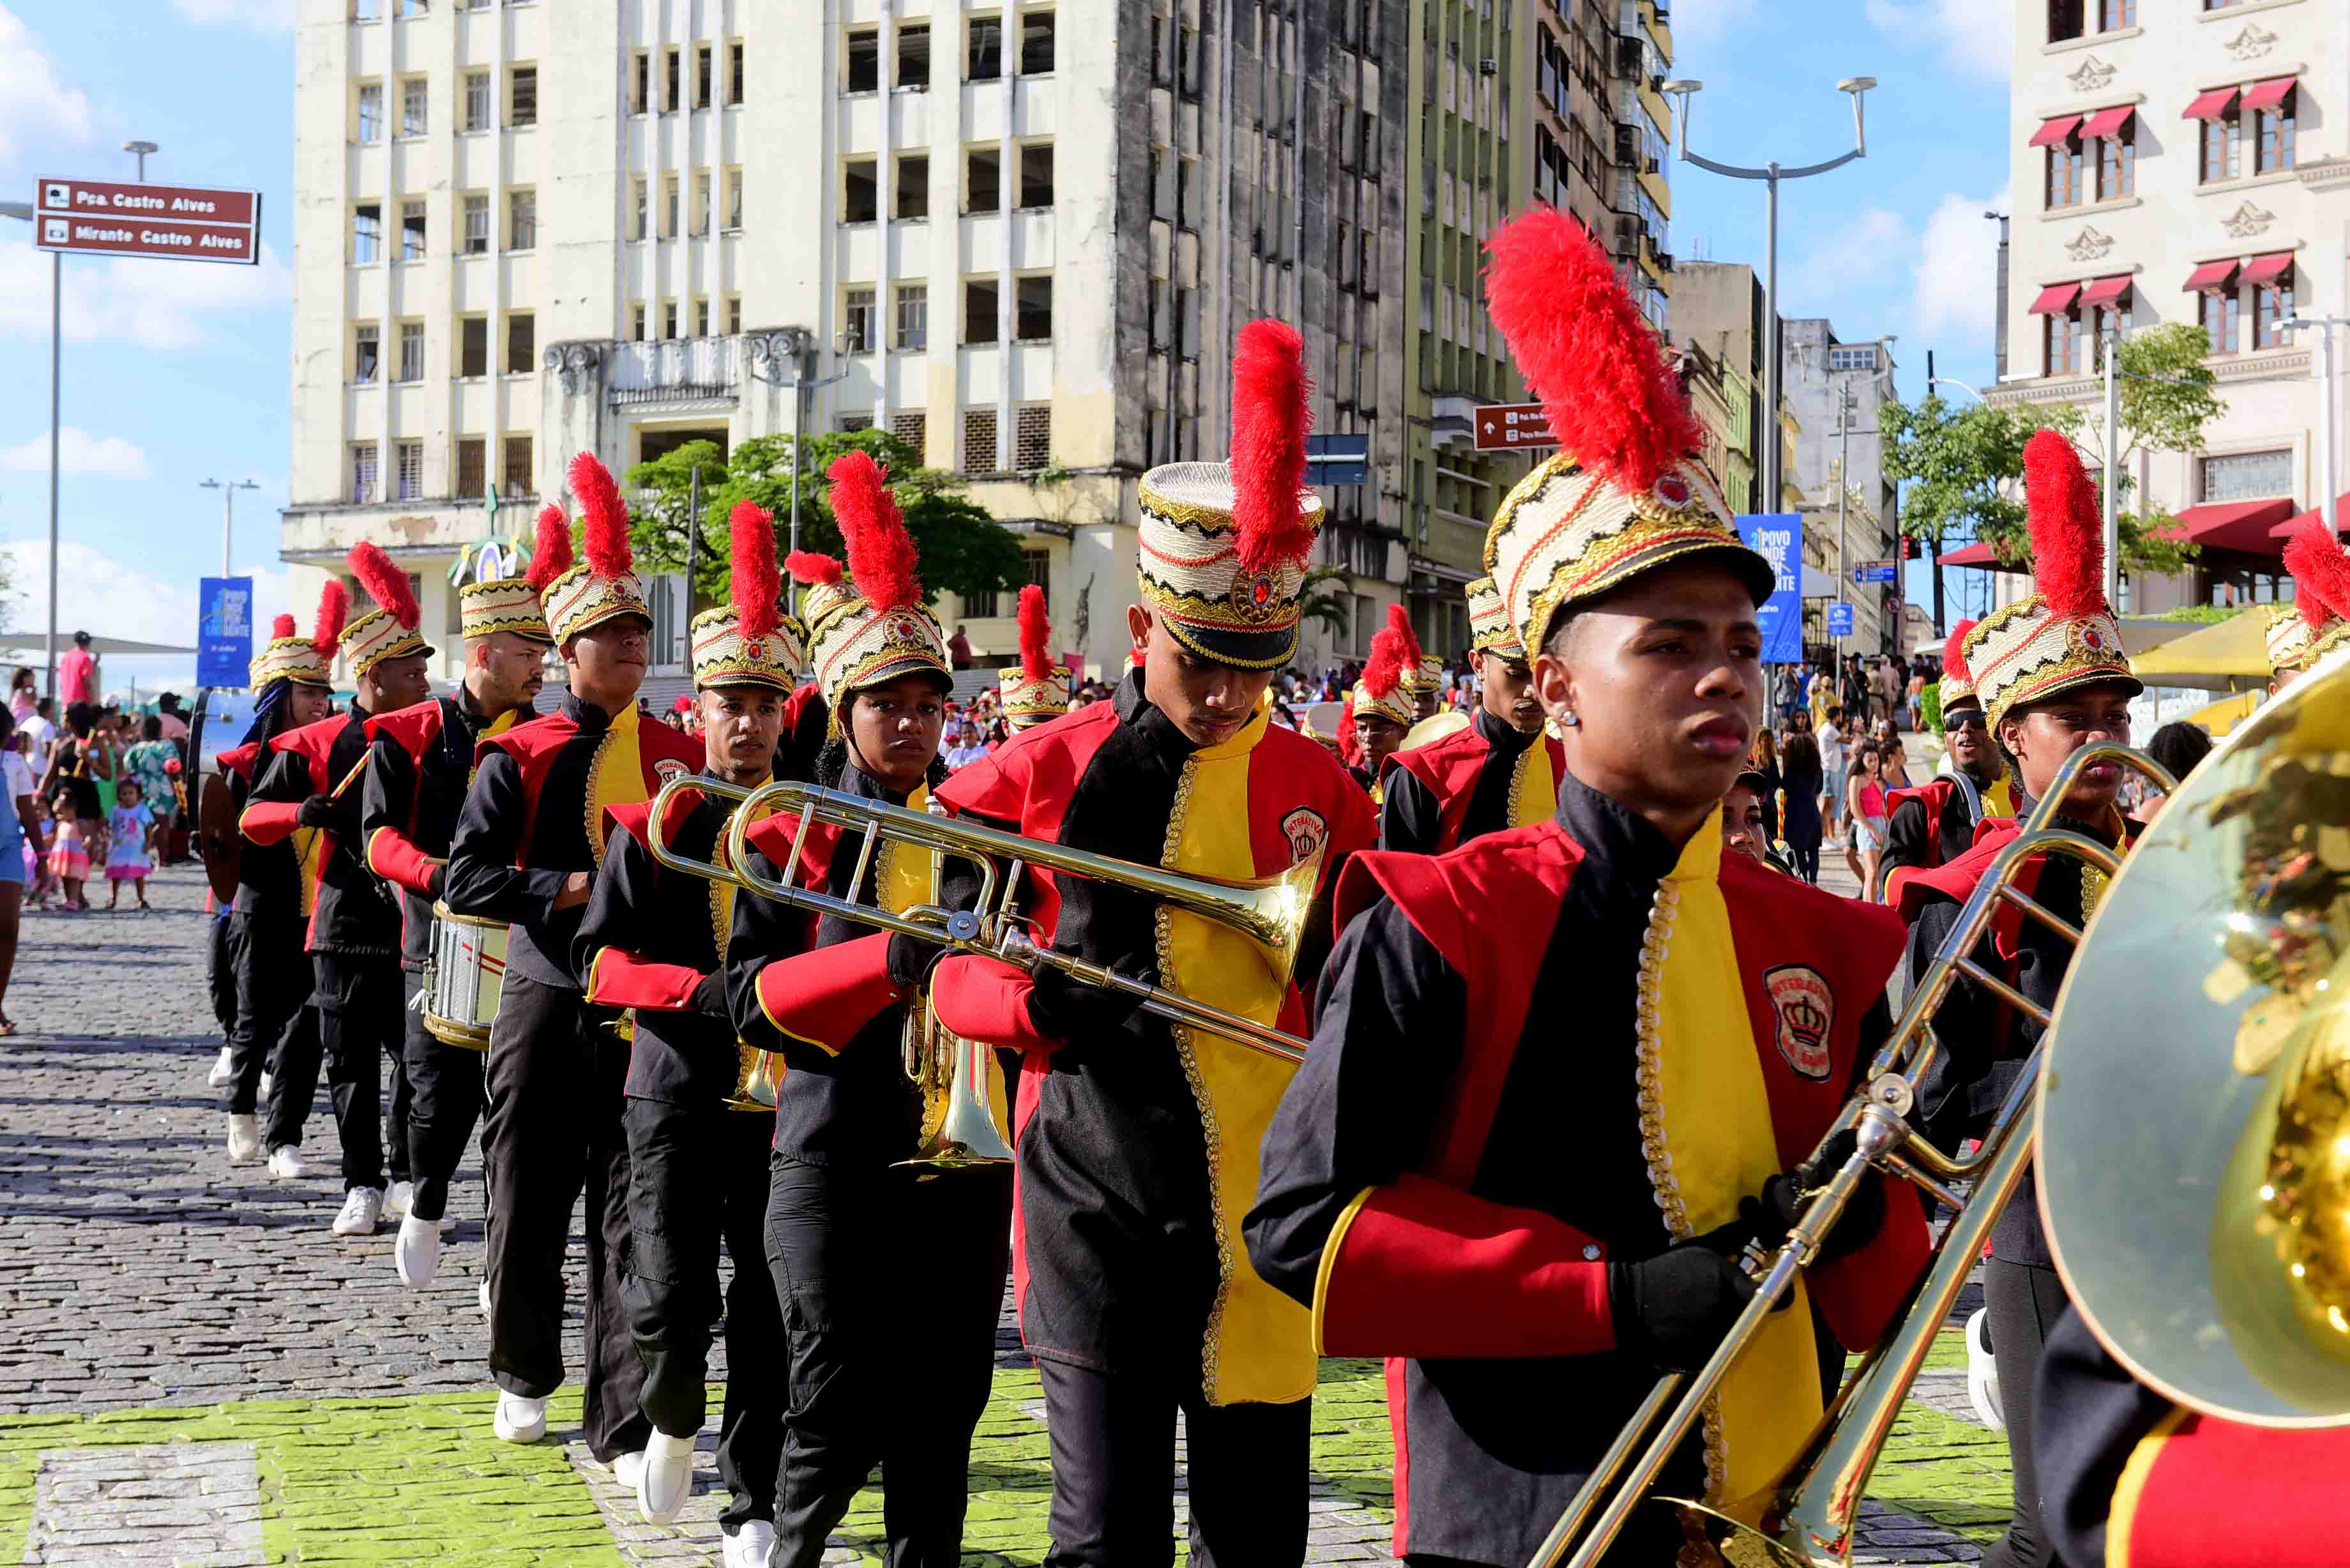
674	370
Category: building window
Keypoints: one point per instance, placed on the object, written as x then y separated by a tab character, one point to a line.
911	426
367	352
477	100
516	455
521	342
1034	319
521	96
850	424
700	317
912	301
637	322
2223	139
2221	314
2245	475
669	206
1036	43
912	195
733	315
642	227
472	467
734	198
2112	14
863	61
370	110
983	48
735	72
473	345
705	75
412	103
477	225
859	195
669	319
412	231
1856	356
2064	342
2272	303
2274	148
982	183
2117	163
2067	184
913	54
367	231
979	297
672	79
411	351
1031	437
2066	19
410	458
640	82
1036	174
979	440
522	220
362	473
856	320
701	200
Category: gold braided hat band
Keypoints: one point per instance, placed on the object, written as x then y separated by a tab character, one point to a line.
1027	702
295	659
1190	571
723	655
1490	629
504	604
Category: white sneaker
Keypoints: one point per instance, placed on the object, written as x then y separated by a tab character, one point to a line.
665	1477
748	1547
1982	1372
362	1207
264	1083
485	1301
243	1138
396	1198
224	1071
520	1420
628	1469
286	1163
417	1253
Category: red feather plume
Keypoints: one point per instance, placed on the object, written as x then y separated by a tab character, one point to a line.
1270	411
604	517
813	569
880	551
550	553
1954	663
2321	574
386	584
1033	633
1407	640
281	629
755	583
1587	352
334	608
1385	668
2068	554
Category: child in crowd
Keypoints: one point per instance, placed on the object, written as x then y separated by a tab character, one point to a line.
126	838
69	849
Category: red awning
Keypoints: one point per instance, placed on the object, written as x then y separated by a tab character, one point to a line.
2056	297
2211	104
2239	525
2285	528
2267	268
2106	290
2109	122
1979	555
2212	277
2053	131
2268	94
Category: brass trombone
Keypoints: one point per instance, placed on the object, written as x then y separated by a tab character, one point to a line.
1271	911
1808	1516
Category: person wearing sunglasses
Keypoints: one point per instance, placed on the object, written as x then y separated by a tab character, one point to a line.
1933	824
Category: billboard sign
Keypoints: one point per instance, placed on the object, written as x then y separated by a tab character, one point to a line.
1331	460
1511	427
1839	619
125	218
1778	538
223	631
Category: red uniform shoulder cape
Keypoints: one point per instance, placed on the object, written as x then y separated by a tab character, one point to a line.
270	821
413	730
1935	793
2200	1492
1957	878
662	751
239	760
619	977
1450	765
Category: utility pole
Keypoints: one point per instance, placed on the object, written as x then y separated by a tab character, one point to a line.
2327	413
2109	344
228	512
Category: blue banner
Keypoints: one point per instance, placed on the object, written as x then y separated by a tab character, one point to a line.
1778	538
1839	620
223	631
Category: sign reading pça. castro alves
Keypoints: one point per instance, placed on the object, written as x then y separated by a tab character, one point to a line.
115	218
1777	537
1510	427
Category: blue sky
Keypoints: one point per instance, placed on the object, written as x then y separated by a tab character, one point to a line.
177	372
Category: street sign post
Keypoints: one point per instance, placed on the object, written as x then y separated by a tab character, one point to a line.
1511	427
1777	537
1331	460
1868	572
223	631
1839	620
119	218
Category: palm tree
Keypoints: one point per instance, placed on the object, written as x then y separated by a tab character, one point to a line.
1323	596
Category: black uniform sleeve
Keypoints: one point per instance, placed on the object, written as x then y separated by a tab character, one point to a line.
1389	1011
2088	1417
483	879
1959	1091
1410	815
624	883
285	777
388	792
763	931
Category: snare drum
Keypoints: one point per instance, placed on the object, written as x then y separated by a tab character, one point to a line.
463	976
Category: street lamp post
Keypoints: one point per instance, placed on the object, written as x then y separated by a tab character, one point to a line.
56	290
2332	501
228	511
1683	88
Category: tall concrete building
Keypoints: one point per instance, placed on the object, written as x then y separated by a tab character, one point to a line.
2186	163
1833	388
1021	236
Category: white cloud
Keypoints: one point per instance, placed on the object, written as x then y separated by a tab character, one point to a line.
1957	269
37	102
112	599
1974	35
151	303
1712	22
267	16
1860	250
79	451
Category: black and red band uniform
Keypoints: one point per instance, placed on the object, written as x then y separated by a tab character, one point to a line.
1460	1163
418	762
1929	825
534	816
652	943
1470	783
275	1031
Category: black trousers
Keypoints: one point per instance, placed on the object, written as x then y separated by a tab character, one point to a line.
220	970
446	1086
556	1074
294	1076
272	982
2024	1301
360	1010
890	1287
1113	1436
698	1178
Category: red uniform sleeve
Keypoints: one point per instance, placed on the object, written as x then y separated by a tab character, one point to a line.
270	821
2202	1493
617	978
986	1000
1860	1293
394	856
825	996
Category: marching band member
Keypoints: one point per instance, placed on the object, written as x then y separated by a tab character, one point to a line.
2306	630
1136	1141
418	767
1035	689
1500	1267
1743	831
652	940
1933	824
1501	770
1423	676
293	683
891	1279
528	841
353	936
2051	677
1382	709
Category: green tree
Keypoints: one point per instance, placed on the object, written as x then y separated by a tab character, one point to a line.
962	549
1322	597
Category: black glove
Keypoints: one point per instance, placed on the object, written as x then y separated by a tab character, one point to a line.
1672	1310
1774	1214
318	811
438	881
911	959
709	996
1070	1010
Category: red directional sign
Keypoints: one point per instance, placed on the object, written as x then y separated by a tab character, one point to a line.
109	217
1510	427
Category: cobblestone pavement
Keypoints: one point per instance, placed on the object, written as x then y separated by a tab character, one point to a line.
192	1370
